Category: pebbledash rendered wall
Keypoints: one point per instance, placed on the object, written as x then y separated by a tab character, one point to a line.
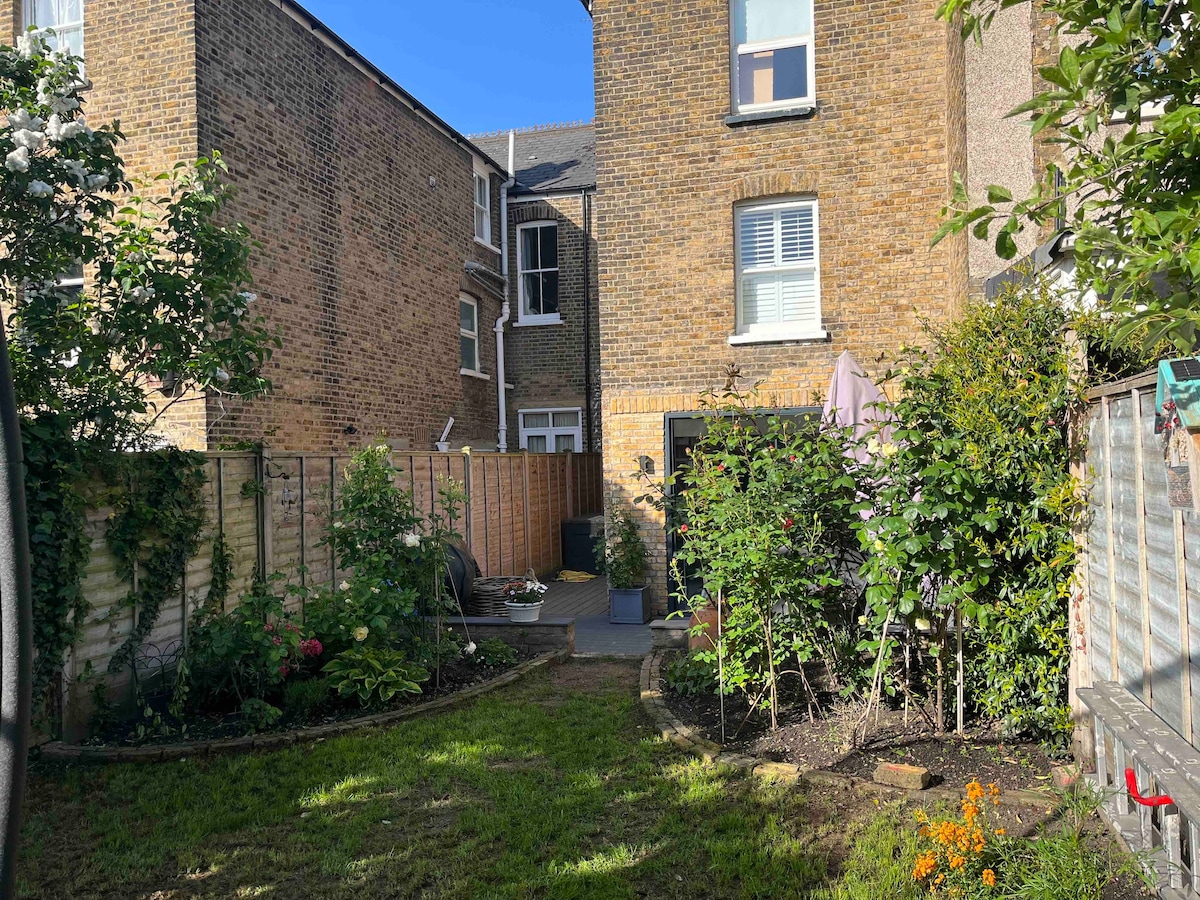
878	153
274	510
362	205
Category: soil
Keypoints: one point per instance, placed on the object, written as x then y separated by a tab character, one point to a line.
825	743
454	677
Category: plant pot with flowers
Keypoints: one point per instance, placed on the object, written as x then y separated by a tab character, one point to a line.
523	598
622	557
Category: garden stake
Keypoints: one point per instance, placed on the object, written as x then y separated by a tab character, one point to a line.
961	693
720	665
876	681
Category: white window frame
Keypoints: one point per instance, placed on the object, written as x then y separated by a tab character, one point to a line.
736	50
479	177
778	331
550	432
476	372
524	317
60	28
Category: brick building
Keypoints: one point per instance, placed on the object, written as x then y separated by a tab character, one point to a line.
770	175
553	349
379	223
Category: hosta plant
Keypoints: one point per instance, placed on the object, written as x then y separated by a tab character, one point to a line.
374	674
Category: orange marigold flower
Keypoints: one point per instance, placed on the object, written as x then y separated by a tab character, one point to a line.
926	863
989	877
1002	831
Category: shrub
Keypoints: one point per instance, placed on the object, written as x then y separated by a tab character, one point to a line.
494	652
622	553
258	715
374	674
692	674
304	698
243	654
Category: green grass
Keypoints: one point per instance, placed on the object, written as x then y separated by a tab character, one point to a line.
552	788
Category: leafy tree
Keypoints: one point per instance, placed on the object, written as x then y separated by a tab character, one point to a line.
1130	185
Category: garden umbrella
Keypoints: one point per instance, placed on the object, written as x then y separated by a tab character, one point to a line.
855	402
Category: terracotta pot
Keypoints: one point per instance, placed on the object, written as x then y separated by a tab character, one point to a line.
704	641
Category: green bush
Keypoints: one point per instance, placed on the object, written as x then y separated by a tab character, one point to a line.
244	654
494	652
622	553
305	698
692	673
374	674
258	715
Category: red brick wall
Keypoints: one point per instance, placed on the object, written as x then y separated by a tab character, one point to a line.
362	257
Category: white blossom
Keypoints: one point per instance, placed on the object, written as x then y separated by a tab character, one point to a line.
222	376
344	586
18	160
469	650
76	170
143	293
96	182
412	539
40	189
30	140
21	120
248	296
30	44
58	130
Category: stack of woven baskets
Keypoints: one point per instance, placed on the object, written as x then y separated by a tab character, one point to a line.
487	594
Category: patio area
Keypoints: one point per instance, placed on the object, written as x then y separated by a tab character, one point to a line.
587	602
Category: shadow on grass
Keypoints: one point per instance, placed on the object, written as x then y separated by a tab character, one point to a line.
555	787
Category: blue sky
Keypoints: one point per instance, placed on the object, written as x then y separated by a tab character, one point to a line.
481	66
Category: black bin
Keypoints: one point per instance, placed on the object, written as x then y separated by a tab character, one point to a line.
579	537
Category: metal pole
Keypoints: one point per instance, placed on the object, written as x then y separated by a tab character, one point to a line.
16	627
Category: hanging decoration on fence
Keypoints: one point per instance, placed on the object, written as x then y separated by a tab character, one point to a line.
1177	421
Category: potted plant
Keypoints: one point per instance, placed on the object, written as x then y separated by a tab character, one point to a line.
524	599
622	556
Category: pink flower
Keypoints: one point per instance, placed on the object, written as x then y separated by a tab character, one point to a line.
268	628
277	640
283	671
311	647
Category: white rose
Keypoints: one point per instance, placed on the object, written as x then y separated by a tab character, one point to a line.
469	650
344	586
412	539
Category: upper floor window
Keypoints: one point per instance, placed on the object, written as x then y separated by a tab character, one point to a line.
778	277
468	334
772	54
483	208
537	267
64	16
551	430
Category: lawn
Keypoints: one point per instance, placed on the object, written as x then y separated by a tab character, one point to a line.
554	787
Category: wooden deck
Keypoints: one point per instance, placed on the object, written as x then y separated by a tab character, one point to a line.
584	598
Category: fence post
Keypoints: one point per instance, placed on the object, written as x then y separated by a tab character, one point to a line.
525	510
468	527
265	562
570	485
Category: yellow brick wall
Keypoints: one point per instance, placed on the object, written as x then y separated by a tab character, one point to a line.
879	154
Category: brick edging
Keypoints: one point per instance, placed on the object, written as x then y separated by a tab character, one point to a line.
692	741
57	750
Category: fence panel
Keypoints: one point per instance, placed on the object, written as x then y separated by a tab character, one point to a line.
274	511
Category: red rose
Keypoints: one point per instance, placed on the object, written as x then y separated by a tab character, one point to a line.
787	523
683	529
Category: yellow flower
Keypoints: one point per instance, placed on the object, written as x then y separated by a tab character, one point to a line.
360	633
989	877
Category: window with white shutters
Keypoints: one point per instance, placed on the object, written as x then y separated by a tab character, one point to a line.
779	287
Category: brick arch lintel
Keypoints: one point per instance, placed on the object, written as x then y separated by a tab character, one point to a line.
776	184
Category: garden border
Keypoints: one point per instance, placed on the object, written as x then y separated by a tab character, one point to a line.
58	751
691	740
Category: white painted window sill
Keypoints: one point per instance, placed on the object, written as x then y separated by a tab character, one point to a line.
471	373
483	243
534	322
778	337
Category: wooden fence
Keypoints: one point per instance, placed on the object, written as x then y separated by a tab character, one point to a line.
273	509
1136	641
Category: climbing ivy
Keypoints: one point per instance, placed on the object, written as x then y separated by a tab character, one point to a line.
155	529
222	572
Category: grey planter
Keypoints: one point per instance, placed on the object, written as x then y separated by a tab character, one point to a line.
628	606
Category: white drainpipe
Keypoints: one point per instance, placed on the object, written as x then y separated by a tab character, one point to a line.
505	311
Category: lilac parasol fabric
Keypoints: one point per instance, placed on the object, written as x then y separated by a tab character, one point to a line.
854	402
